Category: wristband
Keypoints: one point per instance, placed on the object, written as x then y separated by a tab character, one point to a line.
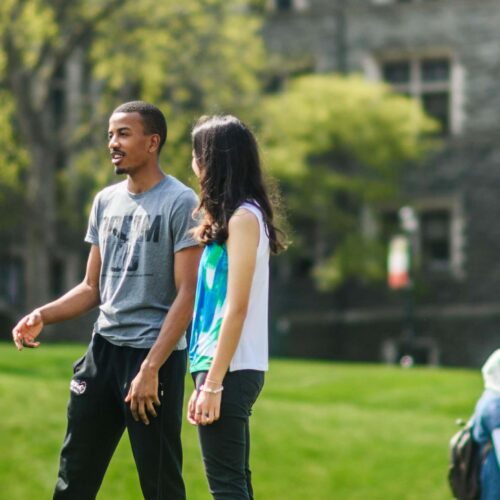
211	391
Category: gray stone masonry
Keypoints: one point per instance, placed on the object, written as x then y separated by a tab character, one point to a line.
460	314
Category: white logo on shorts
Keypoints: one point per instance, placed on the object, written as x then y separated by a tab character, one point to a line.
77	386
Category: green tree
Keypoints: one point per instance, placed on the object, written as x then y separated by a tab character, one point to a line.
65	64
338	144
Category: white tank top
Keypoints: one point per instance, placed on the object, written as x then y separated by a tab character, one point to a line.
210	305
252	352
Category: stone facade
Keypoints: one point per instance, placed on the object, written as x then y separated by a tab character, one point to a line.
417	46
457	298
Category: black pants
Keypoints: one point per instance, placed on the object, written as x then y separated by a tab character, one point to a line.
98	415
225	444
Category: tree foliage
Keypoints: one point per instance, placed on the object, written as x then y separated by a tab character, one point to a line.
190	58
64	65
335	143
13	155
339	143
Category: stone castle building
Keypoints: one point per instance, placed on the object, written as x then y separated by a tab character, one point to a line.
446	53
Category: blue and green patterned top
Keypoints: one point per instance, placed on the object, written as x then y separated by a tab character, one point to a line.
209	306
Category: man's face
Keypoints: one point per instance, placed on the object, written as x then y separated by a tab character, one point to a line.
129	146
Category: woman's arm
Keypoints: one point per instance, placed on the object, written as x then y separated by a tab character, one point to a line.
242	243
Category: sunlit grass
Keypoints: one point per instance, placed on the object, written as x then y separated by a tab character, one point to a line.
320	430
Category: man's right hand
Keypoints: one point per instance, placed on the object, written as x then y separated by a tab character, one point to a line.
27	330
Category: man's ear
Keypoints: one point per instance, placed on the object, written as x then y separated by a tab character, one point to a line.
154	143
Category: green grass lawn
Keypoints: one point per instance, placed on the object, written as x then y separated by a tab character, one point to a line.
320	430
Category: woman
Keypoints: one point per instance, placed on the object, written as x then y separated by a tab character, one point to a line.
486	428
229	343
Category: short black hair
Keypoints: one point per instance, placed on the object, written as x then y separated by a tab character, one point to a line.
152	118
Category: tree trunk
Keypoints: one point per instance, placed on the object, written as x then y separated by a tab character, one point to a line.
40	227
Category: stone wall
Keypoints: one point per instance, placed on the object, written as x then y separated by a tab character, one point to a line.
460	313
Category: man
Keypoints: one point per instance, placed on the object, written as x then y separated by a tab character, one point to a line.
141	271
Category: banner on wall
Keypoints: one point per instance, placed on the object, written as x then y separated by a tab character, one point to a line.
399	262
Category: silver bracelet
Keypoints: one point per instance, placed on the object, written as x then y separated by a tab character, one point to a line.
211	391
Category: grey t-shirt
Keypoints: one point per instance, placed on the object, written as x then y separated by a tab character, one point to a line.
138	235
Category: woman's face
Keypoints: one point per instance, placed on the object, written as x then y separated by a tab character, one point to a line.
194	165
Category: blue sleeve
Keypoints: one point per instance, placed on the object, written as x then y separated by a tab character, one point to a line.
495	437
492	415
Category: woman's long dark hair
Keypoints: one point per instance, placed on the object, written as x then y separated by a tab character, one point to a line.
230	174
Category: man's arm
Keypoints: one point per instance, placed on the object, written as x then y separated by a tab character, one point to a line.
143	392
78	300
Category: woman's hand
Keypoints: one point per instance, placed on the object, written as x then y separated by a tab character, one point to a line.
207	408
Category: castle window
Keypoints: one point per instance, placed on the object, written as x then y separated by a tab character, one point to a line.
435	233
387	2
397	72
284	4
288	5
428	79
11	280
439	237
